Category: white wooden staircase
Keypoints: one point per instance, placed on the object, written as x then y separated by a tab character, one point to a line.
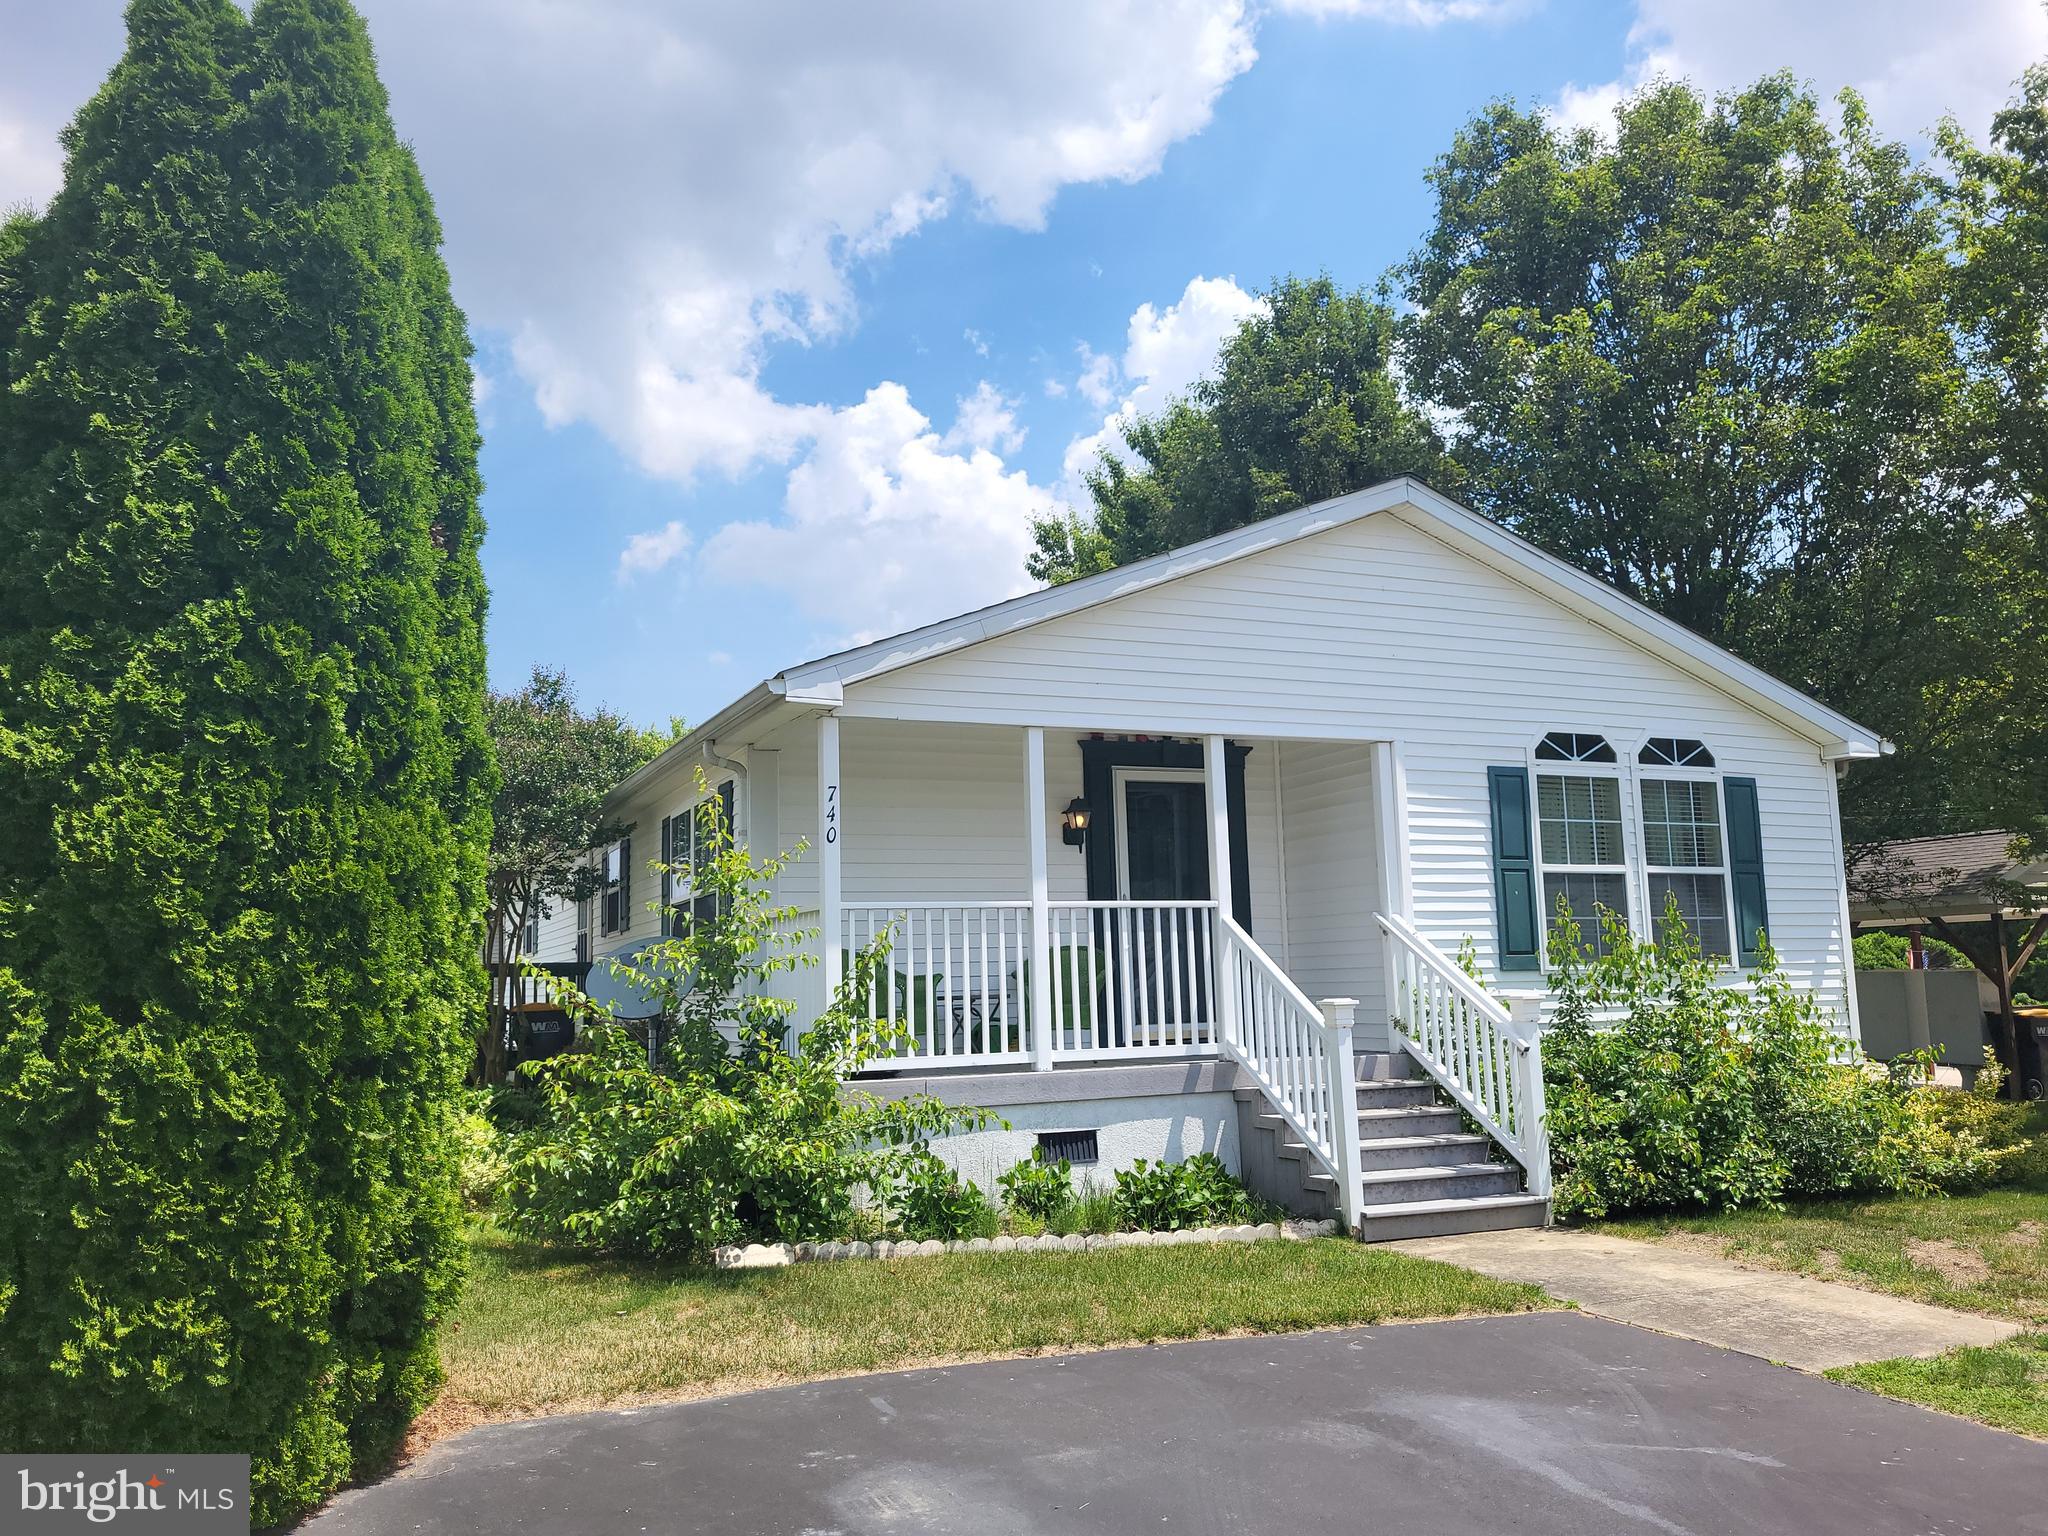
1380	1139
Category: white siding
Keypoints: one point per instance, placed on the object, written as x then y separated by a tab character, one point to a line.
934	812
1332	864
1376	630
557	934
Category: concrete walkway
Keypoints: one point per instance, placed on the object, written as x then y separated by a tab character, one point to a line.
1810	1324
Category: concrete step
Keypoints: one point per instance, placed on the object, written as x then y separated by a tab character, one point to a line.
1437	1151
1408	1120
1459	1181
1386	1223
1394	1094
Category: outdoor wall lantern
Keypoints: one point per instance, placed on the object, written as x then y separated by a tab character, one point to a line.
1074	823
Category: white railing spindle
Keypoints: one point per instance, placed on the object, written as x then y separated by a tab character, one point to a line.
1469	1042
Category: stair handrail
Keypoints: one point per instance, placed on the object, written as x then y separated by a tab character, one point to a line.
1298	1053
1490	1063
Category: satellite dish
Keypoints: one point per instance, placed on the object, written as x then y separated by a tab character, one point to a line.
625	997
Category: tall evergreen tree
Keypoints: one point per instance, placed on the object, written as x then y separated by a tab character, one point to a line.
244	776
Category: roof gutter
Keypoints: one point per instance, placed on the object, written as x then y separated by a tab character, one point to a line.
724	723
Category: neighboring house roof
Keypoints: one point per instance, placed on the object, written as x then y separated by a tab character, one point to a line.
822	682
1959	875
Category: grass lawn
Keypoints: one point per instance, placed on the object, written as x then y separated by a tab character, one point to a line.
1981	1253
2005	1386
545	1332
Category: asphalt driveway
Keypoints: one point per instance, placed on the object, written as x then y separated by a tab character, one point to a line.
1551	1422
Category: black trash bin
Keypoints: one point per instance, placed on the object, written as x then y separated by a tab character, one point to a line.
2033	1033
540	1032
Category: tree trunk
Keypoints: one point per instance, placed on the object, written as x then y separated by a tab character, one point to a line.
505	919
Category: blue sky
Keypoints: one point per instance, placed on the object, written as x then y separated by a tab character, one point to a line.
788	317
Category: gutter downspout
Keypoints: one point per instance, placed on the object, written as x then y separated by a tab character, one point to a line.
740	796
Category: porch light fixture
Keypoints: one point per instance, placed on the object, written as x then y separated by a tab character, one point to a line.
1074	823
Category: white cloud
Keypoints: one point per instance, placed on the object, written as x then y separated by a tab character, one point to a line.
1097	382
650	195
1913	61
884	528
974	339
1165	351
646	553
985	419
720	658
1417	13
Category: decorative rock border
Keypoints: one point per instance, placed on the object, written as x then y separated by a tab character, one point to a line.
775	1255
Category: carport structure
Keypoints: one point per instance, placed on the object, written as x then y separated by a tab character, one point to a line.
1939	885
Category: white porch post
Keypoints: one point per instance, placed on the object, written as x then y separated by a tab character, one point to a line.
831	836
1390	834
1339	1015
1038	970
1217	785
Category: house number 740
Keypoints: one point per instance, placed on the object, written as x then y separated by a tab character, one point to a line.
831	813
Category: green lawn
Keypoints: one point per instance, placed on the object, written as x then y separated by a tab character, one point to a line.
542	1332
2005	1386
1981	1253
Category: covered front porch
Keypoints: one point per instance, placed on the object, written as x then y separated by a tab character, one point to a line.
1149	871
1056	900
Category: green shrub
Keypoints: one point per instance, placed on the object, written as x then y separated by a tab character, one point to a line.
482	1160
933	1201
244	780
1198	1191
713	1144
1882	951
1036	1188
1987	1139
1704	1096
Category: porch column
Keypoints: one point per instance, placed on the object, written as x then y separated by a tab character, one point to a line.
1390	839
831	835
1390	829
1038	970
1217	786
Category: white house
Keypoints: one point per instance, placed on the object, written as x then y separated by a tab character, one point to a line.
1246	801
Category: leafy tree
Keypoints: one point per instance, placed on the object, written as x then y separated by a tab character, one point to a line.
724	1130
1986	717
1303	406
556	764
244	779
1710	362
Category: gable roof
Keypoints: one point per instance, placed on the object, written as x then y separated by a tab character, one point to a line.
823	681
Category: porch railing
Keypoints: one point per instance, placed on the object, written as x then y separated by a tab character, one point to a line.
1469	1042
1299	1055
1132	978
954	977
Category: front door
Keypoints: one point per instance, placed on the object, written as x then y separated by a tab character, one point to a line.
1165	831
1164	827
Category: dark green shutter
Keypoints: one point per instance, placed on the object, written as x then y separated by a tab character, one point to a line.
1514	870
625	885
668	880
725	801
1746	867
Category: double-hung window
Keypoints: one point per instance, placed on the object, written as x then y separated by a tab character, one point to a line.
1685	854
1580	839
692	838
611	897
